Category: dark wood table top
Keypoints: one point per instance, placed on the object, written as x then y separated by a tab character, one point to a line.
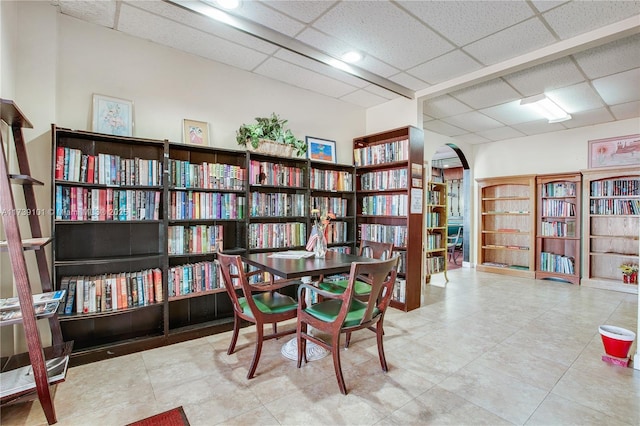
333	263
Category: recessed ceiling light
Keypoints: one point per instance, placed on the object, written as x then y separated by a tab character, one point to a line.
352	56
229	4
547	108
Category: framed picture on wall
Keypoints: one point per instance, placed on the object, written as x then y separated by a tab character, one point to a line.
112	116
618	151
195	132
321	149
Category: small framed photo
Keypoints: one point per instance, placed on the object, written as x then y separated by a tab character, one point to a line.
618	151
195	132
112	116
321	149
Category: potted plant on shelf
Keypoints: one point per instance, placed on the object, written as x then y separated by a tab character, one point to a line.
269	135
629	273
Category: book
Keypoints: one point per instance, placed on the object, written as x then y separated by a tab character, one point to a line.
41	310
22	379
41	298
68	307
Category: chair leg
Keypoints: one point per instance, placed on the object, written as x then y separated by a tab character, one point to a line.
275	328
302	342
379	334
347	339
234	337
258	351
335	350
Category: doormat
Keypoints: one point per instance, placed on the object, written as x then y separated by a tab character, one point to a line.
173	417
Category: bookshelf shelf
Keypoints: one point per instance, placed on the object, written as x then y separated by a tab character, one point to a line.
611	219
393	158
436	238
506	232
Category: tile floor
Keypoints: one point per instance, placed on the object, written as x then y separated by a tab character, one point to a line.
487	349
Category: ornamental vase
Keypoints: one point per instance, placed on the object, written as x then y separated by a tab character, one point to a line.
320	249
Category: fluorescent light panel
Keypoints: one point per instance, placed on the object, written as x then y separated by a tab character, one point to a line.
547	108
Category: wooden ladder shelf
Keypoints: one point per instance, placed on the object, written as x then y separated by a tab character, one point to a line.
16	246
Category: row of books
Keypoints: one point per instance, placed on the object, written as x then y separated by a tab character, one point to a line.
337	232
266	173
558	208
277	205
559	189
615	207
106	169
341	249
402	261
400	290
331	180
277	235
432	219
184	205
551	262
335	205
385	205
433	198
109	292
615	187
388	179
184	174
194	239
434	241
558	228
98	204
395	234
382	153
434	264
194	278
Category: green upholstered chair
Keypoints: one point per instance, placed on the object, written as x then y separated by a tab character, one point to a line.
339	313
257	303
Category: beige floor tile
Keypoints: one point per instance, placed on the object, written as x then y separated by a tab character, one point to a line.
557	410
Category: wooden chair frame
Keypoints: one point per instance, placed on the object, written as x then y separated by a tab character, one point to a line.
381	275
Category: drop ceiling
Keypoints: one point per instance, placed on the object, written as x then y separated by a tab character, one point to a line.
469	62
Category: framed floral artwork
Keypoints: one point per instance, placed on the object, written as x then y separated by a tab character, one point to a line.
112	116
618	151
195	132
321	149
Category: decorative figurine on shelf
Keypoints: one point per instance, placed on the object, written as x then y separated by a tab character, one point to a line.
318	238
629	273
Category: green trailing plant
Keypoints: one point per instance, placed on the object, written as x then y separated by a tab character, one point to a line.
270	128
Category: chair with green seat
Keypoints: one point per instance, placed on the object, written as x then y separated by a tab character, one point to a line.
257	303
339	313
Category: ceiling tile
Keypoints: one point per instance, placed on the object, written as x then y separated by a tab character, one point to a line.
463	22
539	79
576	98
336	48
319	67
445	67
471	138
305	11
144	25
444	106
409	81
258	12
514	41
363	98
578	17
100	13
376	34
625	111
611	58
538	127
619	88
511	113
588	118
473	121
443	128
491	93
544	5
383	93
301	77
501	133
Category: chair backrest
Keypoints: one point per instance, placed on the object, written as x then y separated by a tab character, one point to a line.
375	249
381	275
234	278
458	240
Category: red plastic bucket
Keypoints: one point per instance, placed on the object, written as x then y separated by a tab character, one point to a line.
617	341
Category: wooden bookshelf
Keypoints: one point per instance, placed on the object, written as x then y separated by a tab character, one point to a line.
506	232
389	190
611	226
558	231
436	230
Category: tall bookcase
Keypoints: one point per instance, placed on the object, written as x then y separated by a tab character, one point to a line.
611	226
436	229
506	232
558	227
332	189
389	191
